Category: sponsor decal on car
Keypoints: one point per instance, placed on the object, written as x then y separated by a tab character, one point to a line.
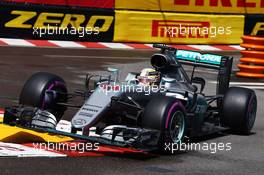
198	57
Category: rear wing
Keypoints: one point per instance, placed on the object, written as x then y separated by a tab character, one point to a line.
223	64
211	61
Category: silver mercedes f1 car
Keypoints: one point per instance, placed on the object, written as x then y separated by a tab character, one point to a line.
151	108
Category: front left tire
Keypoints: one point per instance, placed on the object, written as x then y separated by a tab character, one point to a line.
38	92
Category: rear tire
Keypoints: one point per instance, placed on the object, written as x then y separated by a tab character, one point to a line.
167	115
239	110
34	93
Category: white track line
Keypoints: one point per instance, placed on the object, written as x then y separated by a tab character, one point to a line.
116	45
243	83
253	87
247	83
67	44
17	42
250	85
205	47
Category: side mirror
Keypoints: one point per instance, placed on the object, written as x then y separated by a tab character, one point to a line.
114	71
199	80
195	88
168	80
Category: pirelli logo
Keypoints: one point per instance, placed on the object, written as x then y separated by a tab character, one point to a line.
180	29
222	3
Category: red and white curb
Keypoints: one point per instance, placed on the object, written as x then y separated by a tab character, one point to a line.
1	113
104	45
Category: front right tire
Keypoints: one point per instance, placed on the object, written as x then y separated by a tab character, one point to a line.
167	115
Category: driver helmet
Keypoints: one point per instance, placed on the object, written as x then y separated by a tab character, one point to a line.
146	78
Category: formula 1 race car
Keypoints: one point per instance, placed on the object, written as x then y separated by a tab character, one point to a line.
151	108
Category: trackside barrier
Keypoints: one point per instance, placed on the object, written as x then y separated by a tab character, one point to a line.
252	61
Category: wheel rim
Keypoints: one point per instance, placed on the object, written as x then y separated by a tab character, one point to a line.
177	125
252	110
